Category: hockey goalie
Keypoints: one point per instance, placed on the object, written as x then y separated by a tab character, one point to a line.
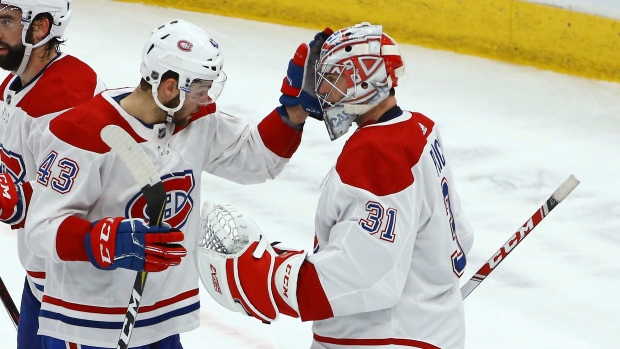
391	237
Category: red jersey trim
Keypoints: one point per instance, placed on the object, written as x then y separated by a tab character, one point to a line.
375	341
279	137
202	112
60	87
379	157
36	274
81	126
311	298
118	310
70	239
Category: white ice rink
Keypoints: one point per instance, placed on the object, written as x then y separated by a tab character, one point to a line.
511	133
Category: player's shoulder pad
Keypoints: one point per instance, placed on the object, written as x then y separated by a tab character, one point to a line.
202	112
65	83
379	158
81	126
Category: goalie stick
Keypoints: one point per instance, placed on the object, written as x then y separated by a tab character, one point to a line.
9	305
558	196
153	190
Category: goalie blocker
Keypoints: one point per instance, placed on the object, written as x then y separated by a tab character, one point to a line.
241	270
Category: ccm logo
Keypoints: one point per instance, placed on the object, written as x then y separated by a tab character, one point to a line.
185	45
104	239
287	277
216	282
6	190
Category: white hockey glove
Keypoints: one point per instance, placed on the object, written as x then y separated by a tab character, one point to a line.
241	270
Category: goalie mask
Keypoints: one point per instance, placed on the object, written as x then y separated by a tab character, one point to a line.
60	10
370	63
189	51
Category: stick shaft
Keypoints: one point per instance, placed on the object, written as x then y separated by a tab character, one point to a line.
558	196
9	305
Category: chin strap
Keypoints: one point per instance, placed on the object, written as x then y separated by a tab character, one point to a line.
28	49
25	59
169	111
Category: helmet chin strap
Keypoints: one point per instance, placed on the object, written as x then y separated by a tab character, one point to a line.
169	111
25	60
28	50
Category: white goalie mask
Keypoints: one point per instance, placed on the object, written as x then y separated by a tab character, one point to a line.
370	62
60	10
189	51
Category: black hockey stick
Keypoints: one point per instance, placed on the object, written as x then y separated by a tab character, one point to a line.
10	307
153	190
558	196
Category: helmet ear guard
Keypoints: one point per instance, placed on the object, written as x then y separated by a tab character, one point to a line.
371	62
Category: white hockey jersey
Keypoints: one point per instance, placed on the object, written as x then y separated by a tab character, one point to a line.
391	240
81	180
26	111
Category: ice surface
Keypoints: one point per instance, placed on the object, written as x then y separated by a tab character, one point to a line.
513	134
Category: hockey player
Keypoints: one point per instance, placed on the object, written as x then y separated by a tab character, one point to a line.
86	214
43	82
391	237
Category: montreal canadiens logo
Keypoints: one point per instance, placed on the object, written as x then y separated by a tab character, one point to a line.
13	164
179	202
185	45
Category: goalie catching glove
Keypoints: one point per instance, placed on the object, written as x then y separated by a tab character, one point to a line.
298	85
241	270
132	244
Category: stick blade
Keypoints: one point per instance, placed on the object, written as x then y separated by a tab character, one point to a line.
132	155
141	169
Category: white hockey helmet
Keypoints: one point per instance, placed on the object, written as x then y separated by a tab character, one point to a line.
60	10
187	50
370	61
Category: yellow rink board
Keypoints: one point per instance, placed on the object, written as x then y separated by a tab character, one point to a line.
509	30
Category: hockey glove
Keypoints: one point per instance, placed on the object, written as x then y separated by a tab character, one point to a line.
13	201
132	244
242	271
298	85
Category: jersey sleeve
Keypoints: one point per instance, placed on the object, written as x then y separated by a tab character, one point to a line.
365	262
249	154
67	183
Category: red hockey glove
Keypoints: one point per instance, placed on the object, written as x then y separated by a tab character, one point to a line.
13	201
298	85
132	244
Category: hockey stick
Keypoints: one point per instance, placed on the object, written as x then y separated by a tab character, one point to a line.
558	195
153	190
10	307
